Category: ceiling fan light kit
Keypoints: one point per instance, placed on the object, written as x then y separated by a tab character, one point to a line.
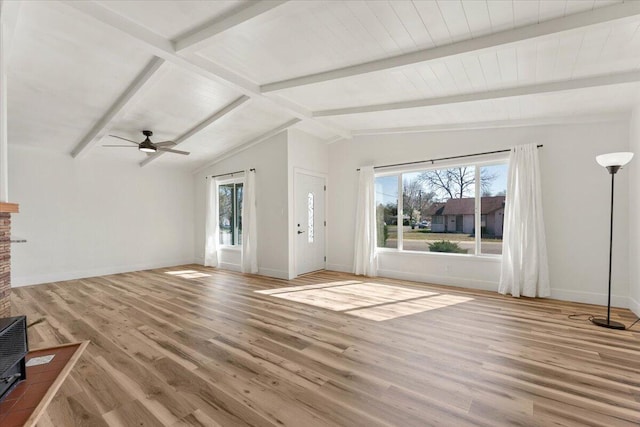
147	146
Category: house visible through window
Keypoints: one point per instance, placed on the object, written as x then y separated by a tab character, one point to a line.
438	207
230	213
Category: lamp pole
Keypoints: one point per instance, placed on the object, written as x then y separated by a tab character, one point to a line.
608	323
612	171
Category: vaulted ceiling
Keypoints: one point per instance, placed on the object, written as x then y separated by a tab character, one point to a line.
217	75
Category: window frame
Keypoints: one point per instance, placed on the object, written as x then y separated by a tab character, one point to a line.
240	180
501	159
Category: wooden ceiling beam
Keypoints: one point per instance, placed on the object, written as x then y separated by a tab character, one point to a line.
117	108
537	121
200	126
602	15
582	83
198	38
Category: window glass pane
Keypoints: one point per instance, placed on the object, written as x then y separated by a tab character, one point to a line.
230	213
310	230
387	211
440	204
225	213
494	189
238	219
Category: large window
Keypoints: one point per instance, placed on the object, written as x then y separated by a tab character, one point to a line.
438	210
230	213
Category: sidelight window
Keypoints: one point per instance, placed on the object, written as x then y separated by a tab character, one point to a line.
230	213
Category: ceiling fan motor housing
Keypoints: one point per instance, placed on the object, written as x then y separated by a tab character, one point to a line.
146	145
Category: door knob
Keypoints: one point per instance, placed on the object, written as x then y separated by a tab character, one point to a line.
300	232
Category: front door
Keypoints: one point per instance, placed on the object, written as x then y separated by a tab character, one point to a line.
459	223
310	223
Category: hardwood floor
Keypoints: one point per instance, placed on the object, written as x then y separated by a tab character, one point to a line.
203	348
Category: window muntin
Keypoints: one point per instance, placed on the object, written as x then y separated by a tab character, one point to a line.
230	195
439	209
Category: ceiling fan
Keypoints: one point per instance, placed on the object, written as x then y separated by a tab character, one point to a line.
147	146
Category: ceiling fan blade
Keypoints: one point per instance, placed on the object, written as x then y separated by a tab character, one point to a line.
164	143
124	139
168	150
124	146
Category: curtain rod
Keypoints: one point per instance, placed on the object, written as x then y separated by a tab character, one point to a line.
230	173
445	158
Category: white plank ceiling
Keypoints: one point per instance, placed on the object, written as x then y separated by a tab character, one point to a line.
71	63
172	19
334	34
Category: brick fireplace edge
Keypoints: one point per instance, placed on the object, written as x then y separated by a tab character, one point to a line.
6	209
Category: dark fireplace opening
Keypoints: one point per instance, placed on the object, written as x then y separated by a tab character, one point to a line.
14	347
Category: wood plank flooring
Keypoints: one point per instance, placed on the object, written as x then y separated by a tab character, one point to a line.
202	348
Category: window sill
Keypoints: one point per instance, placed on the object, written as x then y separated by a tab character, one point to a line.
227	248
470	257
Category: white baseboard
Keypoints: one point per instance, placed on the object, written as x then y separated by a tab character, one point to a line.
339	267
440	280
270	272
559	294
17	281
231	267
589	297
634	306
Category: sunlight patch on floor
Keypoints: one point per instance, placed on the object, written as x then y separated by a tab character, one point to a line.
188	274
307	287
372	301
406	308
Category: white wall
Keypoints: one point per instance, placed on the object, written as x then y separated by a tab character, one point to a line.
575	197
269	158
306	154
95	216
633	170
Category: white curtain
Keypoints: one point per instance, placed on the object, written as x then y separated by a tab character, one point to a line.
364	258
211	225
249	224
524	251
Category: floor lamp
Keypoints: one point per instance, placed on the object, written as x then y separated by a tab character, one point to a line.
613	162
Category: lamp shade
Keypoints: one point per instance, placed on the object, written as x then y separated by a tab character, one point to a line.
614	159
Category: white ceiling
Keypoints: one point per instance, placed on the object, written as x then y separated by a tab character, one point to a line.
70	62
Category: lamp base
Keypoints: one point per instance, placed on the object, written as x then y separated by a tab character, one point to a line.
611	324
